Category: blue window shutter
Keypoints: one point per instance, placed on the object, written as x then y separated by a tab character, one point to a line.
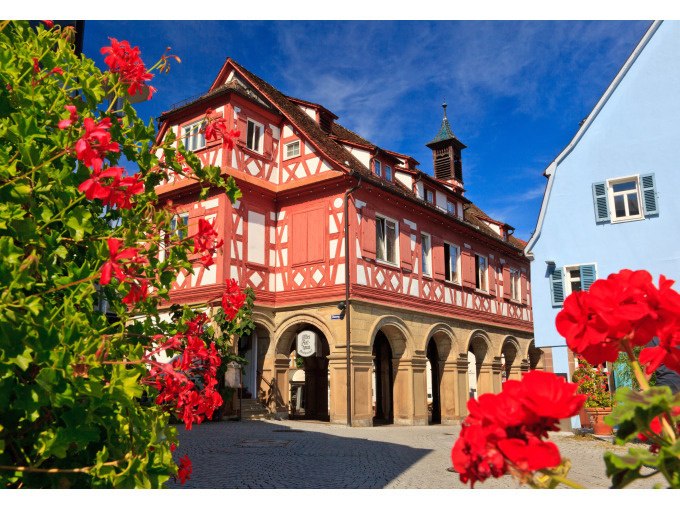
601	202
649	202
588	276
556	286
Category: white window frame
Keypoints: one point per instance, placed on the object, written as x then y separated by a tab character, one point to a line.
260	141
193	136
451	208
515	285
286	155
447	277
611	194
377	168
378	218
482	276
426	258
567	279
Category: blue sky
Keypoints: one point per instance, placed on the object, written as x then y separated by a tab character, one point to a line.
516	90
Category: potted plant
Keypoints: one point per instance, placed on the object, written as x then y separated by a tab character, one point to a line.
592	382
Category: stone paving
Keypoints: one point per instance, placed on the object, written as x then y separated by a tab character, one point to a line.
315	455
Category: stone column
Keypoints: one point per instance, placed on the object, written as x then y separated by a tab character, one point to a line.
448	393
485	382
516	371
497	374
280	390
419	378
463	384
338	369
524	366
362	388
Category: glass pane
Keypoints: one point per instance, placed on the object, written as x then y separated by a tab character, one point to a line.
378	169
256	141
633	208
619	206
380	242
624	186
575	285
425	242
390	244
575	274
388	173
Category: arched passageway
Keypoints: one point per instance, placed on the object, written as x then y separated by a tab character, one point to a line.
433	383
509	360
383	381
477	353
253	348
535	357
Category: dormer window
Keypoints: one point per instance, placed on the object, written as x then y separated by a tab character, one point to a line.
377	167
451	207
429	196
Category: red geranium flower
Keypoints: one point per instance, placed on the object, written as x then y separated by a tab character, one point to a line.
137	292
73	116
95	143
185	469
232	299
127	62
113	267
548	396
217	128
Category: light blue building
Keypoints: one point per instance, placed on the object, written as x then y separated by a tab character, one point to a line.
610	202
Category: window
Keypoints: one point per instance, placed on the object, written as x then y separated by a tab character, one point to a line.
193	136
291	150
377	167
452	263
451	207
254	138
565	280
515	285
388	172
256	243
429	195
625	198
179	225
386	240
426	254
481	267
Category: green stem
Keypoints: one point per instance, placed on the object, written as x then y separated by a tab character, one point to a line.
566	481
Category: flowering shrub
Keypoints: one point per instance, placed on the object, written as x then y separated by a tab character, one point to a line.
592	382
615	315
86	400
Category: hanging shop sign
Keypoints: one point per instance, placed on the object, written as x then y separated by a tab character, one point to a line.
232	377
307	343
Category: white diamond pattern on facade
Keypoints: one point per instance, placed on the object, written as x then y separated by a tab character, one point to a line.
317	276
380	278
256	279
298	279
394	281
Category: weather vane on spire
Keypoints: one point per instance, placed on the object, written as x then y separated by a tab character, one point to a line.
444	105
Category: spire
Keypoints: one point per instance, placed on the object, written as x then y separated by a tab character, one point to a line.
445	131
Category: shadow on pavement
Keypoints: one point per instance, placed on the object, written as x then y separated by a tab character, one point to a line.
274	455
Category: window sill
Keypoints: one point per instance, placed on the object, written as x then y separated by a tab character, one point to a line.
253	153
626	220
387	264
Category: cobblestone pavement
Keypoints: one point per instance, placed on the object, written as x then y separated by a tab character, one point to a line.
315	455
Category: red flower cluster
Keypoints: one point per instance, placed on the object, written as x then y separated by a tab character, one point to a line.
93	145
232	299
205	242
188	383
184	470
504	433
114	192
125	273
217	128
655	427
626	307
127	62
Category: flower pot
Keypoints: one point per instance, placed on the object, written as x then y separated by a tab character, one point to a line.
596	416
583	417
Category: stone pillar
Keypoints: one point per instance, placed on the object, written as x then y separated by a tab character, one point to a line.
463	384
448	393
281	388
403	395
524	366
419	378
337	366
497	374
485	382
362	389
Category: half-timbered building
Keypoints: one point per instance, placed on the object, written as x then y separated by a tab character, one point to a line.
406	297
